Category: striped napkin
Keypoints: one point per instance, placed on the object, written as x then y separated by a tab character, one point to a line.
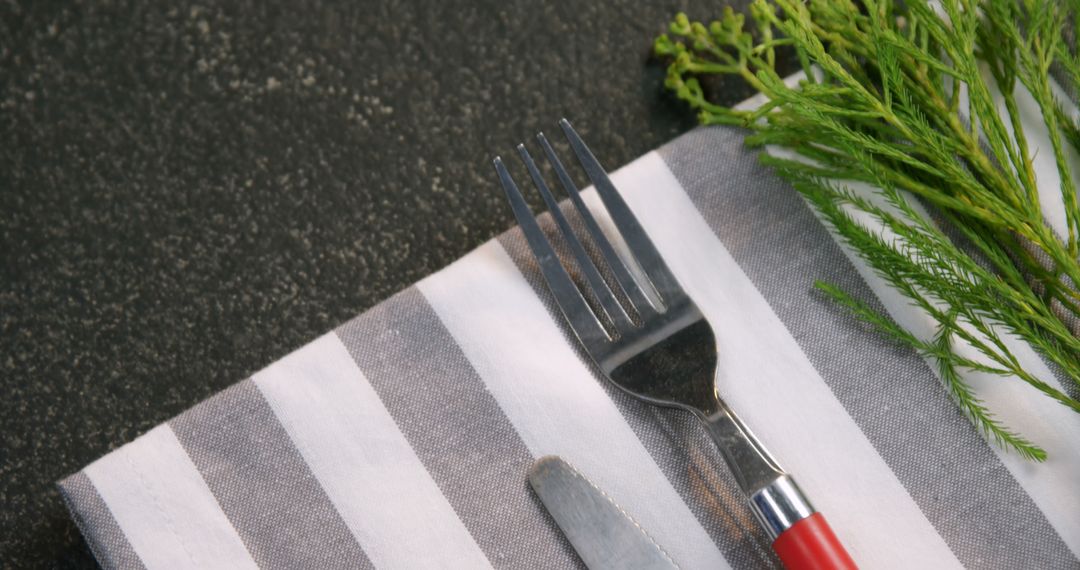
402	438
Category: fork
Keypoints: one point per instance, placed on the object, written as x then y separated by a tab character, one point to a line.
655	344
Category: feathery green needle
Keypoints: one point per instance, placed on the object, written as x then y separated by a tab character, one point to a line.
920	99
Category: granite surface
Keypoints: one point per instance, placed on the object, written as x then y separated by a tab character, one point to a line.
188	191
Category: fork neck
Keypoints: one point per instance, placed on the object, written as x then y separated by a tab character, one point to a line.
754	468
775	499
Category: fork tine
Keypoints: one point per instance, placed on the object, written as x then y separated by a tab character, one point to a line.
609	304
640	246
626	281
581	317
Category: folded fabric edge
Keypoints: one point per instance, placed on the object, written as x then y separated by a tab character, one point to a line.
63	486
96	523
91	512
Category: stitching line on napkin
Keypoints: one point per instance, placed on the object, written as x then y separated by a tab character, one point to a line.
161	510
625	514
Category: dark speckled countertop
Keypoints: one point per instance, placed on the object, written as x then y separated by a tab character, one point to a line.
188	191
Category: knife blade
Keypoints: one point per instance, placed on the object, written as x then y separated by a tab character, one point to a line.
604	536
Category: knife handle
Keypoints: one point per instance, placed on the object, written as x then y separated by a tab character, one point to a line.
811	545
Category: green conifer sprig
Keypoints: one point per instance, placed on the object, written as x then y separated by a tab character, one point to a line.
904	97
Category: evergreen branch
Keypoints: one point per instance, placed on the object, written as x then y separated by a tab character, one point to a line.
917	101
940	352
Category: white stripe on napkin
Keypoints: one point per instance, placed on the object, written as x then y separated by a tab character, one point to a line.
552	398
164	507
373	477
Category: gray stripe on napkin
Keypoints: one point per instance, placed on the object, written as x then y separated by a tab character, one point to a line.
677	444
263	484
95	520
457	429
982	512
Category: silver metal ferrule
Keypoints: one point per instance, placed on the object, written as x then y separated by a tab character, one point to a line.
779	505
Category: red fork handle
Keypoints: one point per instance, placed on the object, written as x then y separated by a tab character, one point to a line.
811	545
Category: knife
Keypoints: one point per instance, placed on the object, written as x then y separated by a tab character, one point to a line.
604	536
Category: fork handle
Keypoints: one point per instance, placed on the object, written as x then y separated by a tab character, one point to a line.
811	545
801	537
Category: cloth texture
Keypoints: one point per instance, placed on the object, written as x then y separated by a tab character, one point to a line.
402	438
